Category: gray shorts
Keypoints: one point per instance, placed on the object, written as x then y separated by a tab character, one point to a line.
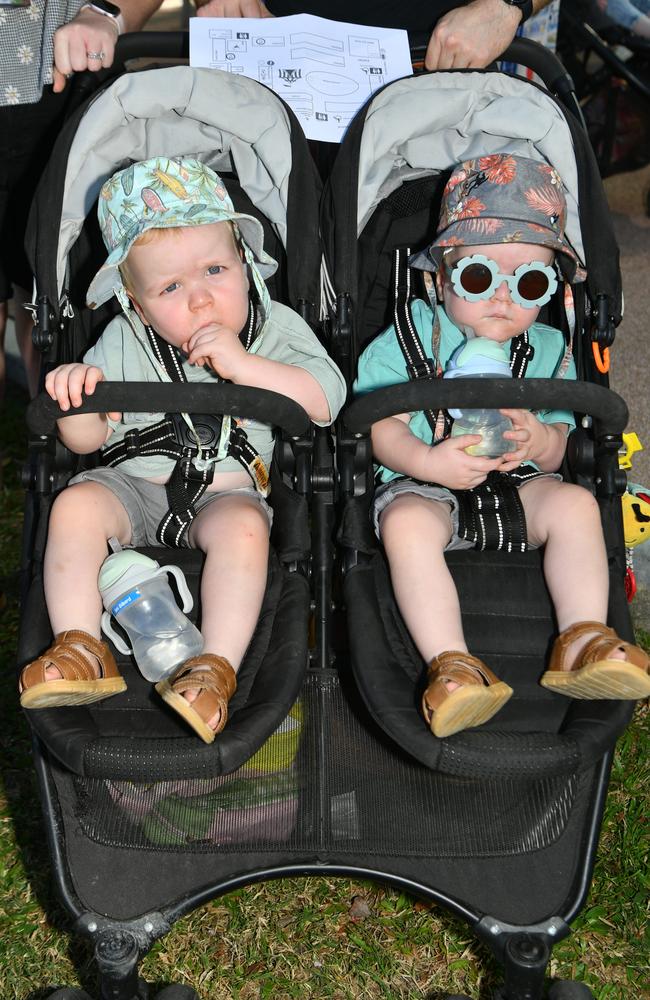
387	492
146	503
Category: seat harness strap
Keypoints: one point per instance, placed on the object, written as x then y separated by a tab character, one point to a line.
491	515
193	440
418	365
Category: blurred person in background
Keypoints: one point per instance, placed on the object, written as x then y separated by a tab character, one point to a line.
42	44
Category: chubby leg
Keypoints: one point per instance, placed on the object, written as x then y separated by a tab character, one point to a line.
234	534
461	692
84	516
415	532
566	520
78	668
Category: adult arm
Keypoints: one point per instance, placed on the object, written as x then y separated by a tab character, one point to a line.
475	35
232	8
91	32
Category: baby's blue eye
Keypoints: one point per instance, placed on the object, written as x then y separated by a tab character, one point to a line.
170	288
215	269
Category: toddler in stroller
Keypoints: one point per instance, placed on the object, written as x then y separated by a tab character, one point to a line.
501	225
189	274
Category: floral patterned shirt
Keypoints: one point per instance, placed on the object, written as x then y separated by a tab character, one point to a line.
27	49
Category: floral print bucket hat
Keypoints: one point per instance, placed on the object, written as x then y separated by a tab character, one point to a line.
502	198
164	193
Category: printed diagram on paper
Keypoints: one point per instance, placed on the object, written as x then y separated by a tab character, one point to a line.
325	70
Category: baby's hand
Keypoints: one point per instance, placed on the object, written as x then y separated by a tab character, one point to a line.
67	383
529	436
455	469
217	346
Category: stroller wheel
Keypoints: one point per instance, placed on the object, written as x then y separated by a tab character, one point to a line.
69	993
177	993
565	989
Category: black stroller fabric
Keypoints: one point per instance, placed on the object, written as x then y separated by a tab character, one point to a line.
246	134
384	193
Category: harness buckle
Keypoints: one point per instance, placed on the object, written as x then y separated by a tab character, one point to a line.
206	425
190	472
425	368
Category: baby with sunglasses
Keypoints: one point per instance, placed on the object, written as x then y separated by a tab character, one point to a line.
496	260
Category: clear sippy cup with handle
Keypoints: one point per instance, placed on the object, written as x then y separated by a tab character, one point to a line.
136	592
481	358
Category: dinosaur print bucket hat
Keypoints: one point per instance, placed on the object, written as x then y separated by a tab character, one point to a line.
164	193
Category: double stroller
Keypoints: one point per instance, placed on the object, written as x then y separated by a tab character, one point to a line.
325	766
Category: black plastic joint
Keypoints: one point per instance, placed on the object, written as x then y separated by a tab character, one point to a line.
421	369
604	332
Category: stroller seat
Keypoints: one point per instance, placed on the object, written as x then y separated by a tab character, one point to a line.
246	134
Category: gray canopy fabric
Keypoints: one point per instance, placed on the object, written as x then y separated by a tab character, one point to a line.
426	124
228	121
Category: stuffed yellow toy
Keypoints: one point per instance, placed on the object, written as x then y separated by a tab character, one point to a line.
636	511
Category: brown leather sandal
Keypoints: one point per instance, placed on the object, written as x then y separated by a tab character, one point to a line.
216	681
479	696
593	674
79	683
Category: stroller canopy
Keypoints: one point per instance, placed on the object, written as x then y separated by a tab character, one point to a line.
230	122
425	125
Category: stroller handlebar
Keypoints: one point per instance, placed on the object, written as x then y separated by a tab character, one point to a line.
234	400
152	45
607	408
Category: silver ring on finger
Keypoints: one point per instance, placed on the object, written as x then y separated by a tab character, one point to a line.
96	55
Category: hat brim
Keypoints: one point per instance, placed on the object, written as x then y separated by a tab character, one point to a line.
465	233
108	279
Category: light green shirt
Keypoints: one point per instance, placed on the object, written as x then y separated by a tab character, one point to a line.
123	355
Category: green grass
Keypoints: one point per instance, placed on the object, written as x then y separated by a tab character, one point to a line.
299	937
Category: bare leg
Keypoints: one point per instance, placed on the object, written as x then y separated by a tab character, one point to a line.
234	534
415	532
83	518
24	327
461	692
565	518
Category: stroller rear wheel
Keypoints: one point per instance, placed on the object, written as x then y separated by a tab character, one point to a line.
69	993
177	993
564	989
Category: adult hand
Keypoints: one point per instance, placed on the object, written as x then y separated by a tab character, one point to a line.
86	42
472	36
233	8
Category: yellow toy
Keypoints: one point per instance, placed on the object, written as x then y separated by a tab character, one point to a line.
636	511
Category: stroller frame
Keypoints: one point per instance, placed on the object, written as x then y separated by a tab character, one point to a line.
522	948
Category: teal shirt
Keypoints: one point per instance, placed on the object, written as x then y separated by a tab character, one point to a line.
383	364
